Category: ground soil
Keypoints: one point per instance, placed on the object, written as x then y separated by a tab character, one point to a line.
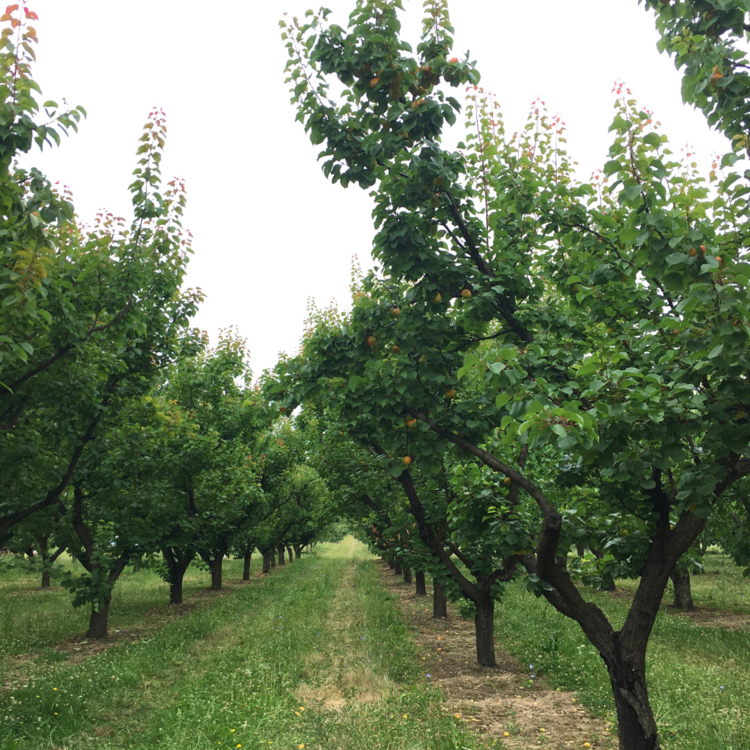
494	701
344	680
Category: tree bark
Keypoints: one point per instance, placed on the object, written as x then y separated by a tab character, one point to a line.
266	561
246	565
177	564
99	621
281	555
216	572
407	575
397	570
439	602
290	552
46	579
273	557
484	625
421	589
391	563
298	550
636	723
683	596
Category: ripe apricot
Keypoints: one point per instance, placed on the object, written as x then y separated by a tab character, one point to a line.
374	82
692	252
406	460
453	60
371	341
450	393
410	421
466	293
507	480
396	349
395	312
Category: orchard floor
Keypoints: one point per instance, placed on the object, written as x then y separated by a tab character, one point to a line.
503	703
316	655
333	652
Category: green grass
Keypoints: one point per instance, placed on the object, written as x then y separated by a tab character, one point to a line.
33	619
320	635
723	587
697	675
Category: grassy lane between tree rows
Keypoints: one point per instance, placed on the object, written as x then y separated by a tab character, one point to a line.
34	620
314	656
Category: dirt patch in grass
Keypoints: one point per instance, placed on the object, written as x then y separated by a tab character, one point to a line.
345	681
499	703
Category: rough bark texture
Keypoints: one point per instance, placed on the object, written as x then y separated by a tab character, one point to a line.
290	552
397	568
273	558
421	588
281	555
683	596
439	602
391	564
298	551
484	623
99	620
407	575
46	579
635	719
267	561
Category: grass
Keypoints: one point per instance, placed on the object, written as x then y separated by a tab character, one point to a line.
315	655
697	675
34	619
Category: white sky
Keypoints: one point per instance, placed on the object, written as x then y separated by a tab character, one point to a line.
269	230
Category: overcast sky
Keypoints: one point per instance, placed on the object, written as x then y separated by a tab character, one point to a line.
269	230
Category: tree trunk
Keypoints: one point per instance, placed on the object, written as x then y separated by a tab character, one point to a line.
246	566
290	552
439	602
397	570
608	586
177	564
267	561
407	575
47	559
484	624
635	719
421	587
216	572
683	597
391	563
99	620
281	555
298	550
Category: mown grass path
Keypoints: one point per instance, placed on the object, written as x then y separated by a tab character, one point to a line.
315	655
